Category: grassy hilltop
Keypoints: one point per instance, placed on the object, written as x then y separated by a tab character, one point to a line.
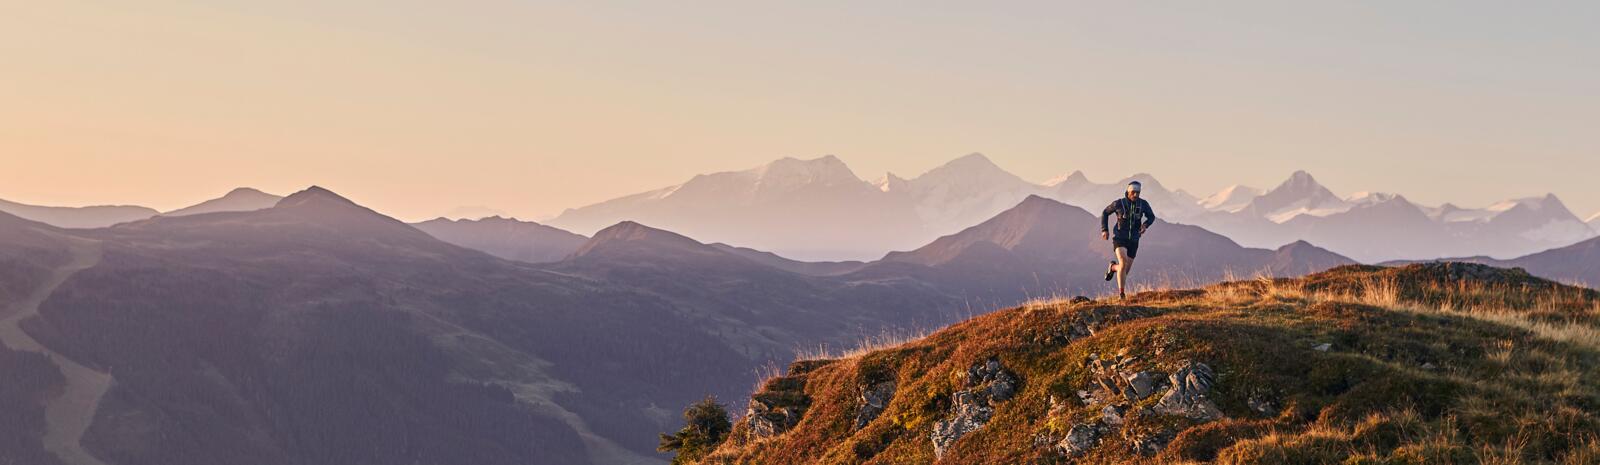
1426	363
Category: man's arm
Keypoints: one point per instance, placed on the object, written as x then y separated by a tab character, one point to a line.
1106	215
1149	215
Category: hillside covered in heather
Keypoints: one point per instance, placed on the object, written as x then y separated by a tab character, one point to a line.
1425	363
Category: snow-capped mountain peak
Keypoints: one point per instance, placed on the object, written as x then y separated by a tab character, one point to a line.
964	191
1232	198
1533	203
1301	194
971	172
890	183
1075	177
1368	197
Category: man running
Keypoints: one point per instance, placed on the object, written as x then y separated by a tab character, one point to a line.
1133	217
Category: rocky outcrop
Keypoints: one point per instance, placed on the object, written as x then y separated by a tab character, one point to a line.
782	402
1119	392
987	384
874	398
768	419
1187	398
1114	379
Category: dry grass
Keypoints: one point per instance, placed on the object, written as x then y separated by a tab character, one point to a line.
1580	329
765	374
1513	381
868	344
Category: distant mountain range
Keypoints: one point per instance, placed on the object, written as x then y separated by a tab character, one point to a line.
241	199
78	217
806	209
819	210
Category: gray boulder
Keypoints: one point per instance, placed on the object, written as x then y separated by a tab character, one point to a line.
874	399
1187	397
987	384
1080	439
770	420
1145	383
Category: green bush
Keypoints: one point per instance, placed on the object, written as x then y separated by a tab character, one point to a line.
705	426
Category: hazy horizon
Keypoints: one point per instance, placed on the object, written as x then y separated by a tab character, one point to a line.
530	108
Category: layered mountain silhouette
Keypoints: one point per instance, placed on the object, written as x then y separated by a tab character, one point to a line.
958	194
818	210
807	209
237	200
506	238
78	217
1374	227
316	330
320	331
779	208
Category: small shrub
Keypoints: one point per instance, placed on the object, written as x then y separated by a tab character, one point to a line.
705	426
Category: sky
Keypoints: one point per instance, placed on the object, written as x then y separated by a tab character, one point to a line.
417	108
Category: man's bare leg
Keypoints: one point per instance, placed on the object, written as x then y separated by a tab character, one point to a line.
1124	264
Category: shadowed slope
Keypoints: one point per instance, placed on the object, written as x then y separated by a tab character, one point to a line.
318	331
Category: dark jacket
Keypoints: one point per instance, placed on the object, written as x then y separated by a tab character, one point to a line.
1130	215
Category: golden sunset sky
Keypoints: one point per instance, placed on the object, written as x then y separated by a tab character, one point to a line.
415	108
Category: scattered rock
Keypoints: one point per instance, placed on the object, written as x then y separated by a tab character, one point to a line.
1081	299
771	420
1429	366
781	403
1080	439
1113	378
967	415
988	383
874	399
1323	347
1187	397
997	383
1112	414
1145	383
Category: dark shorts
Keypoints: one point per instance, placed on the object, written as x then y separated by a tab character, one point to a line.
1132	246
